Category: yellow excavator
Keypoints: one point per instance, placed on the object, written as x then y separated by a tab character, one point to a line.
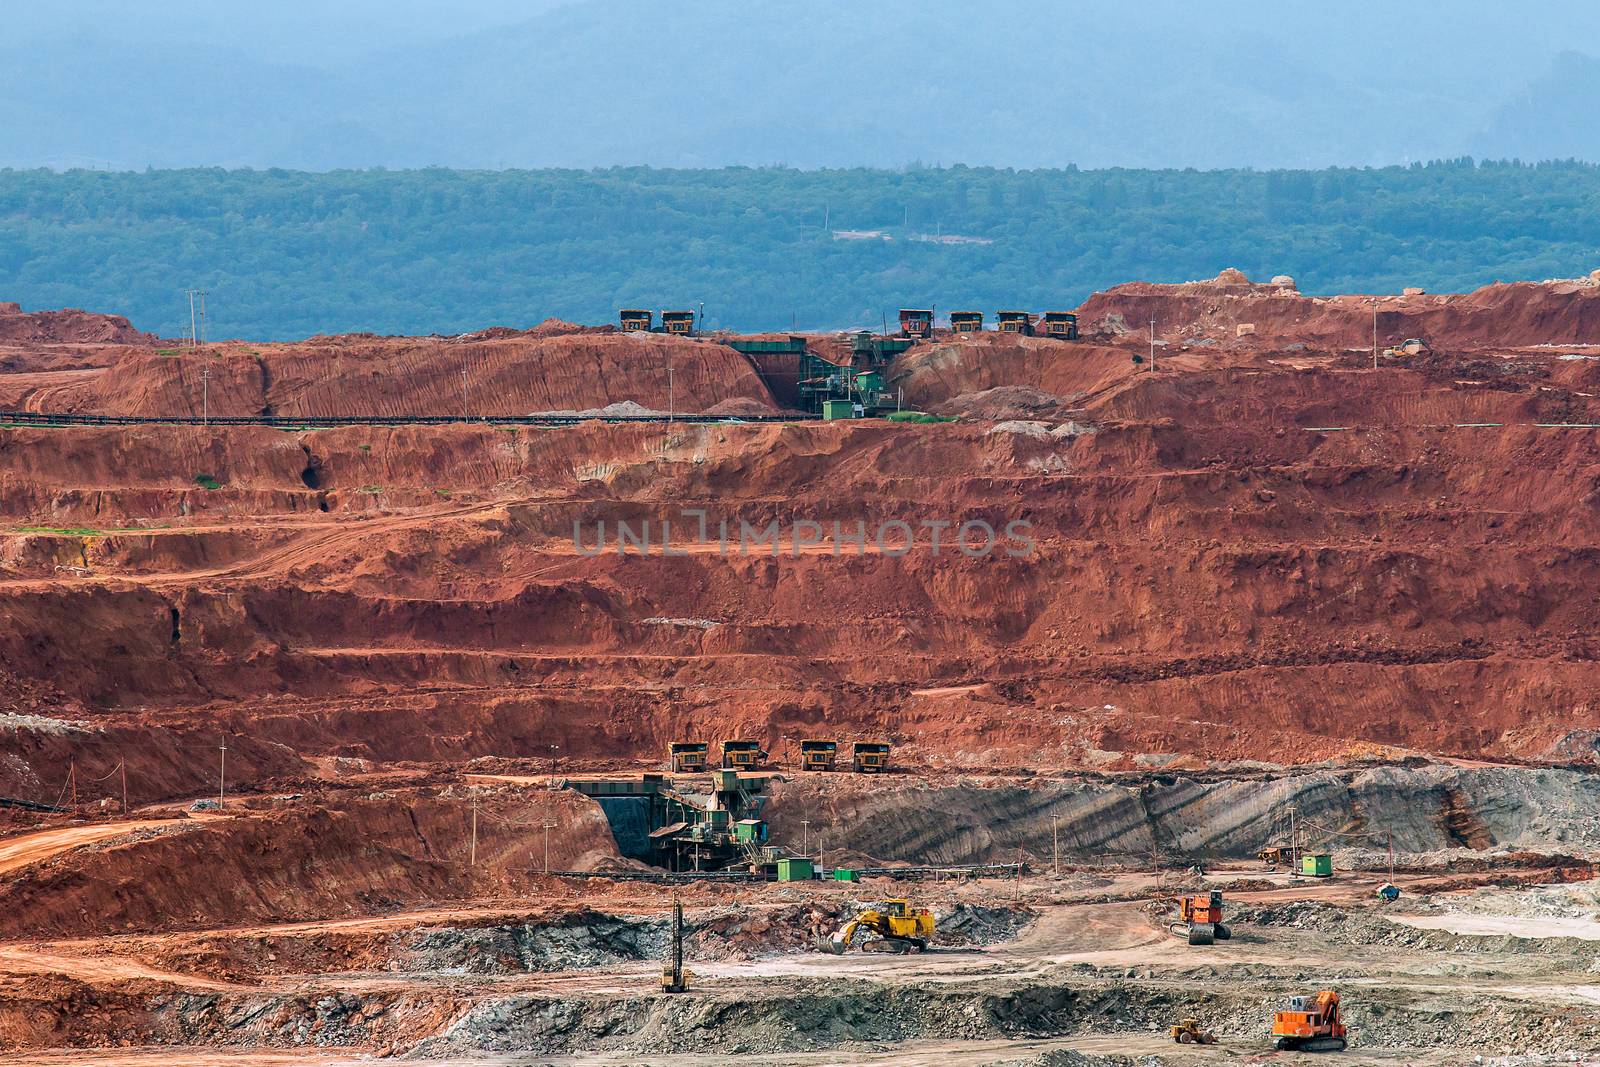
897	927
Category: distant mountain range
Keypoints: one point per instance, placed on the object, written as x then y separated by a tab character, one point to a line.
1024	83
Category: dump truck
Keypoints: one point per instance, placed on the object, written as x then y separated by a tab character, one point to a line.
916	322
687	757
1061	324
1274	856
897	926
1200	919
818	754
870	757
678	322
966	321
1310	1024
1020	322
742	755
638	320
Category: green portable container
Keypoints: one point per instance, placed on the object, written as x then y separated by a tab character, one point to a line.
794	869
838	409
1317	865
845	874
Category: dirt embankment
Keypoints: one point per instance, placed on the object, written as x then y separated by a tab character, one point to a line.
1184	818
67	326
495	373
1229	310
293	859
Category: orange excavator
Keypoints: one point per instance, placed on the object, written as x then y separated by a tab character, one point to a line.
1201	919
1310	1024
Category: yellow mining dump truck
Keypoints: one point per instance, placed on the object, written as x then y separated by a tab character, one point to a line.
819	754
742	755
966	321
870	757
687	757
1015	322
637	320
678	322
1061	324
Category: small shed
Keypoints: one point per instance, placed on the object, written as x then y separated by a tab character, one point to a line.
1316	865
795	869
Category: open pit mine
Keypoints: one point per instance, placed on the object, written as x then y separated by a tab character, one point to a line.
1062	694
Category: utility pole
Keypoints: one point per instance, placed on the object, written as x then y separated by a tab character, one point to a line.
205	395
465	404
1374	333
222	775
197	317
805	837
124	769
1055	842
1294	842
547	825
472	855
671	409
1152	345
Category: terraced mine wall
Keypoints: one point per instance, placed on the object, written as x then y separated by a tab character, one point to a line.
1184	818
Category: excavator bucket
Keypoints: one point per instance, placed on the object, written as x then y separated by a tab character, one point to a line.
830	945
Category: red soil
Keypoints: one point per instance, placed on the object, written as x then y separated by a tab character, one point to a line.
498	372
1555	313
68	326
1212	577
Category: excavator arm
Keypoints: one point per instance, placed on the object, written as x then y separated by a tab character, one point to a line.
843	937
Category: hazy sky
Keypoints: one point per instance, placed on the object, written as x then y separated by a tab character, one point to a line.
486	83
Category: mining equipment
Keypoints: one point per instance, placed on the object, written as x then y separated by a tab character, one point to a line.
916	323
868	349
870	757
1388	892
1310	1024
687	757
1188	1032
1020	322
742	755
897	925
819	754
1274	856
966	322
1061	324
684	829
1411	346
1200	918
638	320
674	979
680	323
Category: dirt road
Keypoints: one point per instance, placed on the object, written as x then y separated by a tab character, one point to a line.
19	852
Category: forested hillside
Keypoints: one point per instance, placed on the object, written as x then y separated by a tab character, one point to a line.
287	254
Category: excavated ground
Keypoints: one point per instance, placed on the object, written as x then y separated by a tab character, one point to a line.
1263	578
